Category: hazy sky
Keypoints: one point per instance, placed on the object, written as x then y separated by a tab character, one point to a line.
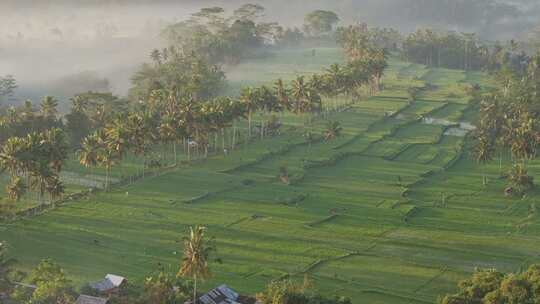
47	43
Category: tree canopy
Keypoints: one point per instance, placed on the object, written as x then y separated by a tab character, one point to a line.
320	22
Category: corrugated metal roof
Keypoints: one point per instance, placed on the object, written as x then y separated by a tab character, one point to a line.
111	281
83	299
220	295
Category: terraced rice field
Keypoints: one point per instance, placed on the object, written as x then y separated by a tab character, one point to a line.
394	211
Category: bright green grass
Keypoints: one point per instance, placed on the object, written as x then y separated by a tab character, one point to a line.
345	212
284	64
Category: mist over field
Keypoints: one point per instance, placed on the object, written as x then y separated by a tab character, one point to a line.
60	48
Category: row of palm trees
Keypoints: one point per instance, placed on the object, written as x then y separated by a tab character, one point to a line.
509	121
34	162
27	118
168	118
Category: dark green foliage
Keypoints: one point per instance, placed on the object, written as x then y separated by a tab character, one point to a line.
493	287
320	22
218	38
289	292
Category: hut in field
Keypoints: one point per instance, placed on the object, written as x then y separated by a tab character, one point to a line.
219	295
110	284
224	295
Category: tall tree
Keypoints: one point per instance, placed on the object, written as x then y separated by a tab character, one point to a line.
483	152
320	22
249	99
6	267
49	107
196	255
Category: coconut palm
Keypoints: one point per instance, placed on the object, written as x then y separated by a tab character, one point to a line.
106	157
6	265
333	130
483	152
168	132
268	102
313	103
299	93
88	154
249	99
189	111
11	156
143	131
156	56
79	104
282	94
39	179
519	178
49	107
16	189
56	148
118	136
196	255
335	75
55	187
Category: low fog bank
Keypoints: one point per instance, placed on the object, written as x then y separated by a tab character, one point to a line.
63	69
61	47
61	50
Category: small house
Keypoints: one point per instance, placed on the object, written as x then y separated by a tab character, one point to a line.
220	295
110	284
83	299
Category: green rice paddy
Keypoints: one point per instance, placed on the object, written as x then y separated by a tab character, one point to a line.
391	212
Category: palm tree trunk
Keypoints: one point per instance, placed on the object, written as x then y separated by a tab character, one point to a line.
234	136
249	124
262	128
144	166
500	162
175	155
195	289
223	139
107	170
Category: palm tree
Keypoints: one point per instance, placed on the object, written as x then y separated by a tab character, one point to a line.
168	132
519	178
106	157
483	152
189	111
49	107
156	56
195	260
56	148
16	189
79	104
88	154
55	187
313	103
118	137
6	265
248	97
11	156
333	130
268	102
39	180
335	74
299	93
236	111
282	94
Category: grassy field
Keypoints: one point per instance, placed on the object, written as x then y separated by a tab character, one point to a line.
391	212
